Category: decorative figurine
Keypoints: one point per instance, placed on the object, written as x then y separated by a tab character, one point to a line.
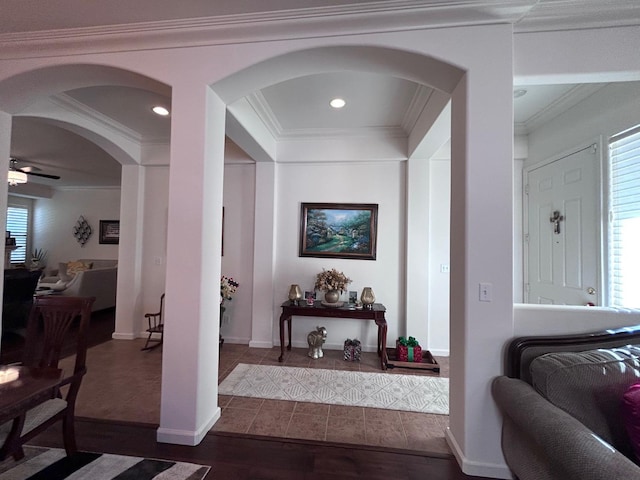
315	340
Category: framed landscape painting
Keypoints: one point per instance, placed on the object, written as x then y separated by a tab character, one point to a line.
338	230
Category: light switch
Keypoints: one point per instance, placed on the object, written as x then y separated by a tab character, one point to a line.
485	292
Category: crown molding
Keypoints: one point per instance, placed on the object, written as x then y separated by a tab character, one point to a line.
416	107
572	97
554	15
370	17
265	113
70	104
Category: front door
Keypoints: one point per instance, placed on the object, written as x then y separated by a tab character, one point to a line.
562	229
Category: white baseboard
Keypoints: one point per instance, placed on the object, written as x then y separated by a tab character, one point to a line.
187	437
236	340
478	469
123	336
439	353
260	344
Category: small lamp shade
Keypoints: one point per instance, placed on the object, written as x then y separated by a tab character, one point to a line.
295	293
367	297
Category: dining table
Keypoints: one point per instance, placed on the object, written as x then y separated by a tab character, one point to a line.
22	388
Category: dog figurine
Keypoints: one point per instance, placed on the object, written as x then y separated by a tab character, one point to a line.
315	340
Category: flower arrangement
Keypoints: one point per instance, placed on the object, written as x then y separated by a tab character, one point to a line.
332	280
228	287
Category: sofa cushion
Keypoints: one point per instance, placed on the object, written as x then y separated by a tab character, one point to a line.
631	416
77	266
589	385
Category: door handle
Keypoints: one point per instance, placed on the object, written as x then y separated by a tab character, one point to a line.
591	291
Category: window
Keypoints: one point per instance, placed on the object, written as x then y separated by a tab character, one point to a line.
624	219
18	225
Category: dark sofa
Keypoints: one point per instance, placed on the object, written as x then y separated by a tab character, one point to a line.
561	406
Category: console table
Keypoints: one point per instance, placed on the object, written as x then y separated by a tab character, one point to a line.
376	313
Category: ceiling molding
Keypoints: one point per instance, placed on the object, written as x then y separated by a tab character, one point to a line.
416	107
72	105
369	17
265	113
553	15
572	97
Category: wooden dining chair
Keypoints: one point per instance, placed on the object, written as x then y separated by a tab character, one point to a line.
156	327
51	329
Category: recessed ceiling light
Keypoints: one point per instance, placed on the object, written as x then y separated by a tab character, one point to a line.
160	110
521	92
337	103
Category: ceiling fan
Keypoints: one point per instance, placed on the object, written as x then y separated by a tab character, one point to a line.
19	175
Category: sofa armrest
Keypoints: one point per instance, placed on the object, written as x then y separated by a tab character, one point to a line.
541	441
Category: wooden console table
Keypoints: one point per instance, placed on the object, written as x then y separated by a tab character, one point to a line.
318	310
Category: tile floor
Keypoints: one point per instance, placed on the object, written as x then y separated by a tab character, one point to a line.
123	383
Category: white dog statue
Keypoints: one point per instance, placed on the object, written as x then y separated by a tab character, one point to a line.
315	340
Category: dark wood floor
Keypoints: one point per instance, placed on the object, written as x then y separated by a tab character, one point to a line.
243	457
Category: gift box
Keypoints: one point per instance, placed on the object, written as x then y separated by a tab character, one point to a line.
352	350
408	350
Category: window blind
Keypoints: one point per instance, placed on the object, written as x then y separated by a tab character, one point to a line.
624	219
18	225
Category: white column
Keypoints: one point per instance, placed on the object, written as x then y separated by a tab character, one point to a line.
189	402
417	251
481	252
264	256
129	305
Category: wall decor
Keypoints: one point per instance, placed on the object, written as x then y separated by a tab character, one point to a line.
110	232
338	230
82	231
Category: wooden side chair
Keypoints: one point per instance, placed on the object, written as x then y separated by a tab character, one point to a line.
48	332
156	327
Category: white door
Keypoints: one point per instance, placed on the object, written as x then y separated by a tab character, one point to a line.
562	231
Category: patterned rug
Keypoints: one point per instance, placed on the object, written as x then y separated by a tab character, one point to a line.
338	387
53	464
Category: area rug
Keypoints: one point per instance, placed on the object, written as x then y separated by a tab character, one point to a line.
411	393
53	464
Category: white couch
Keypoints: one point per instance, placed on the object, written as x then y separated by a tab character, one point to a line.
99	281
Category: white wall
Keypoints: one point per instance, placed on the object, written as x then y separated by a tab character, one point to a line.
612	109
438	315
237	261
54	219
154	234
381	183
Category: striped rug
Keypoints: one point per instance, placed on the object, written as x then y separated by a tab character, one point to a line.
53	464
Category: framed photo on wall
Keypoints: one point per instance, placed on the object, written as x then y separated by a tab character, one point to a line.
109	232
338	230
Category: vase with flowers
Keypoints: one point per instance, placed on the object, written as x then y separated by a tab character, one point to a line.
333	283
